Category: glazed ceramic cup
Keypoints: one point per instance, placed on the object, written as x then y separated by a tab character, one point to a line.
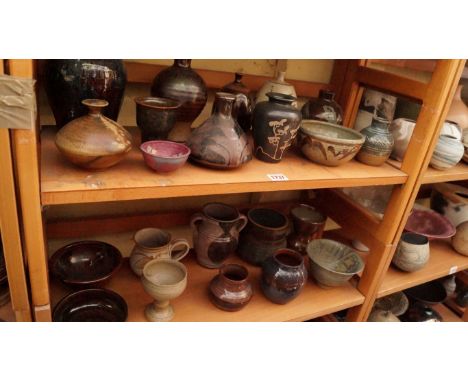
412	252
154	243
164	280
308	225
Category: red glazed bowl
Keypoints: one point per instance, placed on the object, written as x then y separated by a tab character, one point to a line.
164	156
430	224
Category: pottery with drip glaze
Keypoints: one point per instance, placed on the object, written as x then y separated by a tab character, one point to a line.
324	108
308	225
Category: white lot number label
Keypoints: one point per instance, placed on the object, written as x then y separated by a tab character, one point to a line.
277	177
453	270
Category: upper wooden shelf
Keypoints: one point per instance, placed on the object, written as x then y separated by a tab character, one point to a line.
458	172
63	183
421	65
443	261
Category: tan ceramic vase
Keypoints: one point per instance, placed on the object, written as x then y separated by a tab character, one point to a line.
458	112
277	85
154	243
93	142
412	253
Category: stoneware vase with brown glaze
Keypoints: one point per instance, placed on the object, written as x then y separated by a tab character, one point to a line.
284	274
216	233
231	290
324	108
412	253
219	142
275	124
68	82
378	144
93	142
243	106
265	233
277	85
458	111
164	280
308	225
154	243
180	82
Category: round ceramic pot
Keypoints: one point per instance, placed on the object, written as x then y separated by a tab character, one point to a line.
231	290
451	201
308	225
397	303
458	112
378	315
327	143
324	108
278	85
68	82
448	152
243	106
180	82
216	233
155	117
219	142
283	276
275	124
378	145
264	234
93	142
460	240
154	243
412	253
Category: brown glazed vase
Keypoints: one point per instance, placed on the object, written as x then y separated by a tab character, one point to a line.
216	233
180	82
231	290
283	276
93	142
308	225
219	142
243	106
264	234
324	108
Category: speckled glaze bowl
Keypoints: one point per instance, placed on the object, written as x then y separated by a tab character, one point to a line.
327	143
164	156
332	263
430	224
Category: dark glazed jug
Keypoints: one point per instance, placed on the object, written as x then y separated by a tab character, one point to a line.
324	108
243	106
308	225
219	142
68	82
265	233
180	82
216	233
283	276
275	123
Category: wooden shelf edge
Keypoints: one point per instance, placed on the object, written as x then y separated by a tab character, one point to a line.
423	65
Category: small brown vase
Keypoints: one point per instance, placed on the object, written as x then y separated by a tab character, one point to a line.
308	225
243	106
94	141
231	290
324	108
458	111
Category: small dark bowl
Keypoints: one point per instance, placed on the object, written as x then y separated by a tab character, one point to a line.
429	293
91	305
85	262
430	224
164	156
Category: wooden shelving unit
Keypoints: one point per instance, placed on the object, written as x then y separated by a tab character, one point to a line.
431	175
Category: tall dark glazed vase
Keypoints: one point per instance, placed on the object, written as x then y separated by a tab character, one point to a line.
242	109
275	123
68	82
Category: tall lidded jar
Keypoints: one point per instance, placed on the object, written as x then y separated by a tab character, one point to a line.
378	144
219	142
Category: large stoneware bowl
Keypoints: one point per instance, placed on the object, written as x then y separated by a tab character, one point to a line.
332	263
327	143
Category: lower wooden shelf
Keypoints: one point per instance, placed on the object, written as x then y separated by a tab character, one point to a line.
442	262
446	314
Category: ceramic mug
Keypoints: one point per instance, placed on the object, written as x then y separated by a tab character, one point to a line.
154	243
412	252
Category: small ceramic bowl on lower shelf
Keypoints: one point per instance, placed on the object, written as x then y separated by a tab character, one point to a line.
164	156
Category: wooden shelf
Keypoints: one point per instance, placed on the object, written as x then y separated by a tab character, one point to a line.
7	313
458	172
441	263
446	313
194	304
421	65
63	183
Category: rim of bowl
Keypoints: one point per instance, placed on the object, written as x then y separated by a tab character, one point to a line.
224	205
361	262
280	228
143	101
177	263
181	145
436	215
360	138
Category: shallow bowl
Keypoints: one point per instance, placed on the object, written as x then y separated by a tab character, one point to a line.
327	143
85	262
164	156
430	224
91	305
332	263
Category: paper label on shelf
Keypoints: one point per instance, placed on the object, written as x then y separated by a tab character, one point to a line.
277	177
453	270
17	102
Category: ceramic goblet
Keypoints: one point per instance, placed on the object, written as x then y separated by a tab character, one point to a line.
164	280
